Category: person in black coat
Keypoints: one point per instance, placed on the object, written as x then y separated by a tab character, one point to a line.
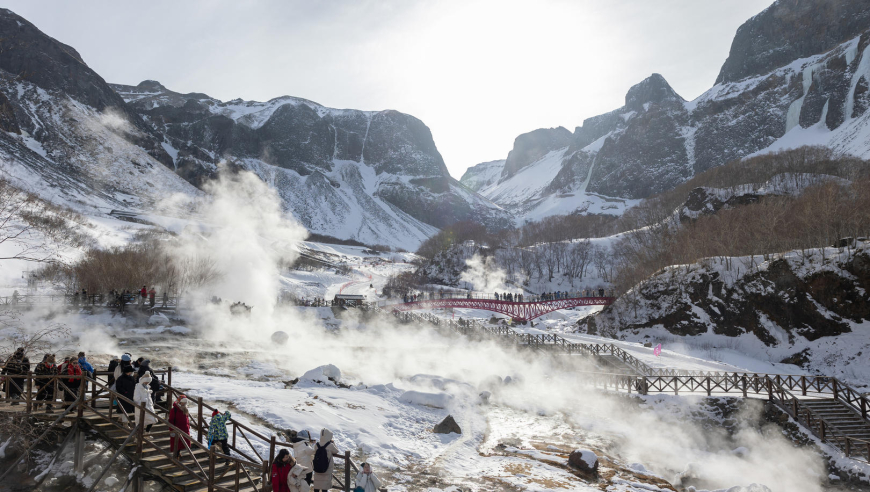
18	364
126	387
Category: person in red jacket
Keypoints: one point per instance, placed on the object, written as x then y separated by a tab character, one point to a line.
180	418
72	368
280	469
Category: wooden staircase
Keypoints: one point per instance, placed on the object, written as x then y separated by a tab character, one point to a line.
843	426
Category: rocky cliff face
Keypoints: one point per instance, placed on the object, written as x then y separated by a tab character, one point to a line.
785	298
372	176
798	74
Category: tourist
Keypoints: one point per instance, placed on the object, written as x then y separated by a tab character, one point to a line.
304	452
367	480
87	368
17	364
145	368
280	471
125	386
151	297
217	430
296	479
179	416
323	461
45	371
71	368
142	394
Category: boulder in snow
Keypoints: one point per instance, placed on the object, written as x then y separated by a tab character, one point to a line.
158	319
328	374
585	461
435	400
447	426
280	337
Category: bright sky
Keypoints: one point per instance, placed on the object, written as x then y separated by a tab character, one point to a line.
477	72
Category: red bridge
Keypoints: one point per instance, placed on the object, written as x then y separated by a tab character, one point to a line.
520	311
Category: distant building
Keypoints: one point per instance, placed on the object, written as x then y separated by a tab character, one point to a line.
348	300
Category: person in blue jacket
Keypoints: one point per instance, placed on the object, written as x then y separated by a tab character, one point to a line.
87	368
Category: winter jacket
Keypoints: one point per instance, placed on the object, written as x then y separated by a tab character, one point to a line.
126	387
143	395
296	478
146	369
217	428
16	365
304	454
280	471
369	482
72	370
45	369
323	481
178	417
85	365
114	364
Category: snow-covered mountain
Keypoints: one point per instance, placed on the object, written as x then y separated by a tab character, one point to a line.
376	177
798	74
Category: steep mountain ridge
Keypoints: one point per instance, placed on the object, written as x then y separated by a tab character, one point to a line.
373	176
817	95
376	177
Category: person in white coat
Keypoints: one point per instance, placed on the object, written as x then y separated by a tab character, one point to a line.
304	453
323	479
367	479
142	394
296	478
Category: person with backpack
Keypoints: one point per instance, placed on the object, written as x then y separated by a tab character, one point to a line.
45	382
303	450
323	462
366	480
217	431
179	416
72	369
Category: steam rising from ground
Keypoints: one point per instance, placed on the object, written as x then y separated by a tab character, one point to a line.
248	237
484	275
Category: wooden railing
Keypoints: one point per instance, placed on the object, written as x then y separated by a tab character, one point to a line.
817	423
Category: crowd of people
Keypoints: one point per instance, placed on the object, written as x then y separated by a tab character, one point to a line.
504	296
310	464
50	378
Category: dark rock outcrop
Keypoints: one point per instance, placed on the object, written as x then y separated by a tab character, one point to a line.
584	461
529	147
792	29
447	426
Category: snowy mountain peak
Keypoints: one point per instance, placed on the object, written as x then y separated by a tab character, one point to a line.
532	146
654	89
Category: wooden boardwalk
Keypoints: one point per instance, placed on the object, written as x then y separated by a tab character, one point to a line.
196	469
828	408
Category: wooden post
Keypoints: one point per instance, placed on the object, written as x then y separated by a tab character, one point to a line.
863	407
347	471
199	420
81	398
769	389
794	406
169	376
265	472
822	429
29	391
238	472
708	385
211	460
272	449
834	387
140	432
744	385
848	447
676	389
803	386
79	458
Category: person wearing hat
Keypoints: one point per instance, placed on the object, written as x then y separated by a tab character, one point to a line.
17	364
142	395
217	430
303	449
179	416
125	385
71	369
